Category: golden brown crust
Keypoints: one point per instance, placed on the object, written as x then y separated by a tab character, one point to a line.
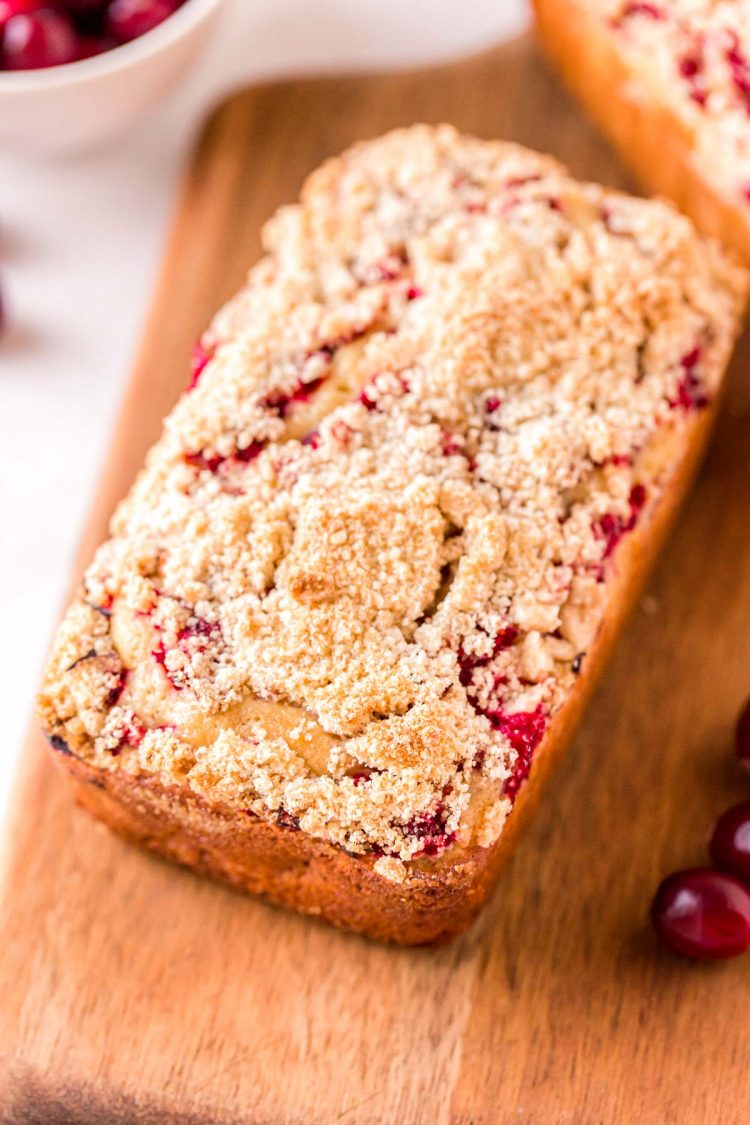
651	135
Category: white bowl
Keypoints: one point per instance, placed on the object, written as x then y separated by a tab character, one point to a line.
82	104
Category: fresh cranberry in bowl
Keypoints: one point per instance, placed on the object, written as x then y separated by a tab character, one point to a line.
82	7
129	19
108	85
36	39
702	914
9	8
41	33
729	847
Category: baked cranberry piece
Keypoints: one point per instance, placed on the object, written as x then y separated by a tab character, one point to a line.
191	640
202	355
212	462
367	400
286	820
690	67
430	829
281	402
36	39
524	730
114	696
729	847
373	388
702	914
451	445
740	69
468	661
132	736
642	8
129	19
742	736
691	393
612	527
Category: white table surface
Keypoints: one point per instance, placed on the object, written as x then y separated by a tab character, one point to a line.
80	241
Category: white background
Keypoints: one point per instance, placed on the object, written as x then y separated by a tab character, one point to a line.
80	241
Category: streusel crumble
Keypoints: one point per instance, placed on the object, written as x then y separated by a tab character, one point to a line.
366	560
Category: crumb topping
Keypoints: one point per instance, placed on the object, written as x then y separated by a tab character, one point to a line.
694	55
363	565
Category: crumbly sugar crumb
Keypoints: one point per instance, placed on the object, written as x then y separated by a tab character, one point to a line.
363	565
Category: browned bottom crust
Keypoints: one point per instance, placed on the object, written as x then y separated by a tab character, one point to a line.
651	140
441	897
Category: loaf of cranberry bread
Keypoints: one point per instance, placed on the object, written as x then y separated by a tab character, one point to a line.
669	83
353	603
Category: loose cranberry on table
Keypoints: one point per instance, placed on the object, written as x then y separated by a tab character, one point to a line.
742	737
703	914
729	847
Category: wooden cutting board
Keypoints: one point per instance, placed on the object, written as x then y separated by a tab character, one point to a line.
134	992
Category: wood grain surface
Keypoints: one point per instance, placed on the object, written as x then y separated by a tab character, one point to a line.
131	991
